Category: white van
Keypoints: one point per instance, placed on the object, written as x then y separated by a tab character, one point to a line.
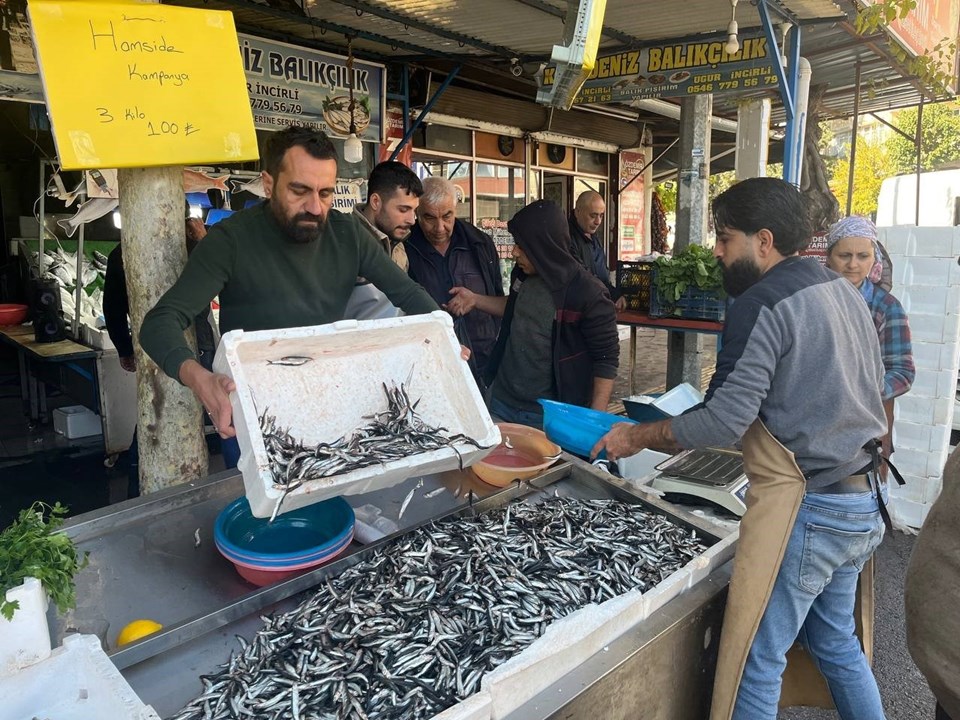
939	199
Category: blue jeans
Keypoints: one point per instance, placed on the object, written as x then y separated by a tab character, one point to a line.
813	602
502	411
230	449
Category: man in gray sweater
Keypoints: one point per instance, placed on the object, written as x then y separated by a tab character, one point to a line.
798	379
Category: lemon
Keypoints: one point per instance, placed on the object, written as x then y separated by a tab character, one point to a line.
136	630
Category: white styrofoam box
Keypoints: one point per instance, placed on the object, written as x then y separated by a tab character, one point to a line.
927	356
924	299
77	682
927	383
907	514
921	270
932	490
939	438
911	462
330	396
946	383
925	327
897	240
942	410
76	421
25	639
915	409
914	490
642	466
951	327
565	644
478	706
934	242
913	436
96	338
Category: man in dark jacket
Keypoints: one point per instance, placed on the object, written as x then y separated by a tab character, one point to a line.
458	266
559	335
585	246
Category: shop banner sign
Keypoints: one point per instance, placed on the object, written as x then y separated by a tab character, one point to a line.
630	202
926	25
290	85
678	70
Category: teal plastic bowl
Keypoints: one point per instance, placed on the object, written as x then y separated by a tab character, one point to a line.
305	535
576	429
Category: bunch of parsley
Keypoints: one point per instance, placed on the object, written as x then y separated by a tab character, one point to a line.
32	546
694	266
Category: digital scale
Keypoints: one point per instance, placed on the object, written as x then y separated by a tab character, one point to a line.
714	475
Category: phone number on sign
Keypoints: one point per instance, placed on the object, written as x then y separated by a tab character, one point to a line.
275	106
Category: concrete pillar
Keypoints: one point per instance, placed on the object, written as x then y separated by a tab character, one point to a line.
693	198
753	133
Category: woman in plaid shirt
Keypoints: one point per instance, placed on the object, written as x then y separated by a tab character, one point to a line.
852	251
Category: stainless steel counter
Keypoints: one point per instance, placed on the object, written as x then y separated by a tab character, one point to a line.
144	564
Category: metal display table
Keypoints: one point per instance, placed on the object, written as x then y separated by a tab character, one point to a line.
93	378
144	562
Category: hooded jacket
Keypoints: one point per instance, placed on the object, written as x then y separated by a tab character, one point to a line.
585	340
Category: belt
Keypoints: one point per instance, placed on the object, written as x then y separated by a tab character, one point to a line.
852	484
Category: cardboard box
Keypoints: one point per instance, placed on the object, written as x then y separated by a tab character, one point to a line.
339	386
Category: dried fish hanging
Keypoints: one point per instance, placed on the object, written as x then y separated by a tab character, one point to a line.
413	628
395	433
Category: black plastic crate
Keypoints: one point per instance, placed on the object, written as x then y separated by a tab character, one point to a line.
634	283
694	304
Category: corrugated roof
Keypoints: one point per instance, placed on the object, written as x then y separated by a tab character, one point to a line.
486	34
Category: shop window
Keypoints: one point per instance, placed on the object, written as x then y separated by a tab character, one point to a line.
457	171
593	162
443	139
500	194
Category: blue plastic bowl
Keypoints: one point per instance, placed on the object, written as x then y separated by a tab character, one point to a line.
301	536
576	429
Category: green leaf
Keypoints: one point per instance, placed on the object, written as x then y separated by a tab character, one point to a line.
33	546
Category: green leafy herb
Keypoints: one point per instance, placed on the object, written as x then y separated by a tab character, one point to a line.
694	266
32	547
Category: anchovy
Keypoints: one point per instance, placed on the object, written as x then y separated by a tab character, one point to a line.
412	628
395	433
291	360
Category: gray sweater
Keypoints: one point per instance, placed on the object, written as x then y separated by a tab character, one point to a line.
800	352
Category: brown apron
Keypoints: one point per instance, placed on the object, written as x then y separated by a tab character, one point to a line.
776	490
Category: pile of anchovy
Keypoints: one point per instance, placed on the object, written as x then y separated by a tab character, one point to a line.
396	433
412	629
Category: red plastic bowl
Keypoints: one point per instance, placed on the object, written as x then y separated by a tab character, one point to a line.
12	314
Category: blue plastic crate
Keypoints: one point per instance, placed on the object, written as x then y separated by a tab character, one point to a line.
694	304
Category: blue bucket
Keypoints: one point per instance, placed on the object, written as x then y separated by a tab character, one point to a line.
301	536
576	429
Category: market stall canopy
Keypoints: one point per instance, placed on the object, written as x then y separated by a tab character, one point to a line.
500	45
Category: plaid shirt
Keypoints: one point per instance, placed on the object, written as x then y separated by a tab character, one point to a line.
894	333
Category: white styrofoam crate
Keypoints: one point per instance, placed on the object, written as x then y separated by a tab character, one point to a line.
77	682
330	396
76	421
570	641
925	299
25	638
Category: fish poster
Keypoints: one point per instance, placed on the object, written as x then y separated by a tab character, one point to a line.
290	85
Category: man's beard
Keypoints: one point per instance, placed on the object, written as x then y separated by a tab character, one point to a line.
740	276
297	232
396	233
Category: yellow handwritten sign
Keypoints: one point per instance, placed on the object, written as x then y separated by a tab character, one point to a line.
138	85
